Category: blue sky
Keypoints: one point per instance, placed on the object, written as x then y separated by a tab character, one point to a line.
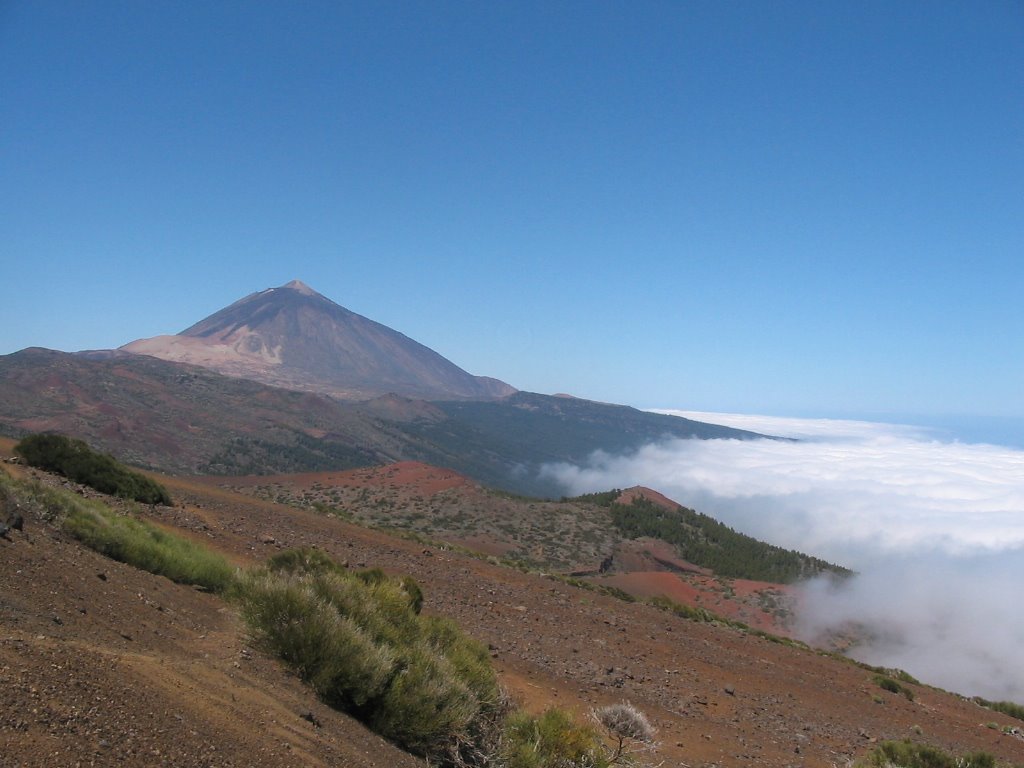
809	209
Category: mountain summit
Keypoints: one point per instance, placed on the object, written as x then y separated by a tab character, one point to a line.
294	337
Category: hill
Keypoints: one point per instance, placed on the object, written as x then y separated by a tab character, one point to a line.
294	337
582	538
190	420
105	664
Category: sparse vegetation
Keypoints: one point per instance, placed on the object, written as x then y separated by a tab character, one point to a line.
893	672
688	612
1006	707
75	460
552	739
287	452
907	754
124	538
358	640
629	730
604	589
703	615
888	684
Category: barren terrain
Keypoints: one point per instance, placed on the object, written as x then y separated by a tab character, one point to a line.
569	538
101	664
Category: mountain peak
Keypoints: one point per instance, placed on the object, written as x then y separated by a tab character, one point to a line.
294	337
301	287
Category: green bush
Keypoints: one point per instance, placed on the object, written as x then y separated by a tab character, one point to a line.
428	707
358	640
135	542
907	754
145	546
77	461
1006	707
895	673
331	652
888	684
551	740
688	612
412	589
301	560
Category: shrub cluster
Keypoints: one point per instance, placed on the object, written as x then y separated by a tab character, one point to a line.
551	740
145	546
77	461
907	754
894	672
1006	707
135	542
359	641
888	684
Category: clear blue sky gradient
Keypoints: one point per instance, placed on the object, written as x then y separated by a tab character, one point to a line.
774	207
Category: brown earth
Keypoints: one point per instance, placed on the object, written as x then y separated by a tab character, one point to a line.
101	664
441	504
571	538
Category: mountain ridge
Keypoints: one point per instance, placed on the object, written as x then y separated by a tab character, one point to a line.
189	419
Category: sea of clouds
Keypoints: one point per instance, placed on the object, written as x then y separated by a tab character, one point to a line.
934	529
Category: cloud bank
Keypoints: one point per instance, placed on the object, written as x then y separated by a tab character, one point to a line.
935	530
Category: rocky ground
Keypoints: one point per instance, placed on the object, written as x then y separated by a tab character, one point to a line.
101	664
569	538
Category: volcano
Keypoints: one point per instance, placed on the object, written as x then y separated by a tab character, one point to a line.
296	338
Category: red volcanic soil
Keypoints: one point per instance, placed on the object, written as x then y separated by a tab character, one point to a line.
103	664
652	555
752	602
638	492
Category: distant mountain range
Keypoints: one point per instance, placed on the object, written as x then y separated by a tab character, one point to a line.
286	380
294	337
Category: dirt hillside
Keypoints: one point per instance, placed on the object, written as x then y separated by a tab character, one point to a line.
101	664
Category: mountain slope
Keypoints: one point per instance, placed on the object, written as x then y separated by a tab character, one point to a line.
179	418
187	419
84	635
294	337
505	443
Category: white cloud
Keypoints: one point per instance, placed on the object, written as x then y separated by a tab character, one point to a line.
951	621
801	429
936	529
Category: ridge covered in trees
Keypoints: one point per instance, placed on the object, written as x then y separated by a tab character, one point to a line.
704	541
